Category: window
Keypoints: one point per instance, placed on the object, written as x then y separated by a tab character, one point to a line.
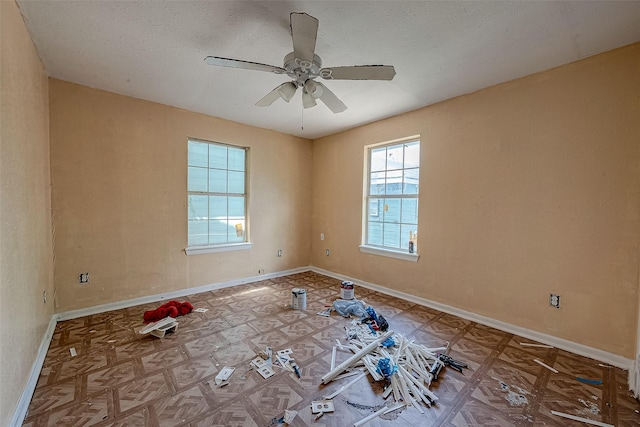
391	219
217	195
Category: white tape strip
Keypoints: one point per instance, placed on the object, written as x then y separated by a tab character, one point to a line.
546	366
584	420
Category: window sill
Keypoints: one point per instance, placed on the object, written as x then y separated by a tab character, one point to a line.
389	253
197	250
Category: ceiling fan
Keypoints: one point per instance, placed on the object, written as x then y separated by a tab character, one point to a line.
304	66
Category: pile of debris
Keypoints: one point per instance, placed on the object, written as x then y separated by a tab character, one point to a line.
408	368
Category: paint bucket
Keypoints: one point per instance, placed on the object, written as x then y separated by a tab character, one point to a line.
346	290
298	299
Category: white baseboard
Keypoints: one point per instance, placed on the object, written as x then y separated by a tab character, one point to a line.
583	350
167	296
634	378
23	403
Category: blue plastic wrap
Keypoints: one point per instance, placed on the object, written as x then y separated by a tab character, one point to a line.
385	367
389	342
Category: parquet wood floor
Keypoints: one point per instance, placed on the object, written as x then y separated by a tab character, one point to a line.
121	379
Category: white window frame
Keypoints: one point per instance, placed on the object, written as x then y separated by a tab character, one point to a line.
366	247
193	249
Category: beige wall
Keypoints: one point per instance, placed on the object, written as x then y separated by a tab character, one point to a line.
25	206
527	188
119	179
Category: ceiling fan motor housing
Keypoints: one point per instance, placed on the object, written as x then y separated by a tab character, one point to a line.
301	70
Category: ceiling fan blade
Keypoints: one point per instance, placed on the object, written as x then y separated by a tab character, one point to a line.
269	98
331	100
246	65
304	30
359	72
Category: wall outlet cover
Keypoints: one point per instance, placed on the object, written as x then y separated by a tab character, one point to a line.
266	372
318	406
258	362
554	300
284	352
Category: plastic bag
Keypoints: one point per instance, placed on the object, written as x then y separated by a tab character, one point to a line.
348	308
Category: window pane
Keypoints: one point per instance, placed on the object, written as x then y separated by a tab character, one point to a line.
392	210
236	208
374	233
217	231
198	207
217	181
236	159
375	212
236	182
218	207
197	154
197	224
198	234
412	155
395	157
391	236
237	233
197	179
409	211
376	183
378	159
394	182
411	181
217	156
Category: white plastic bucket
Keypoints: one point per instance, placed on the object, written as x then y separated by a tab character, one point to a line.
347	290
298	299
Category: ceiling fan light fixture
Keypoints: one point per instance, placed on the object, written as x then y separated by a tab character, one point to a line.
308	100
313	88
287	90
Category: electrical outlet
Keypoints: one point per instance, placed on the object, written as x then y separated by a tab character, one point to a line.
328	252
261	271
279	252
44	296
83	278
554	300
321	236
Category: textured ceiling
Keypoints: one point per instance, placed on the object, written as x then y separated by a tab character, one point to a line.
155	50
